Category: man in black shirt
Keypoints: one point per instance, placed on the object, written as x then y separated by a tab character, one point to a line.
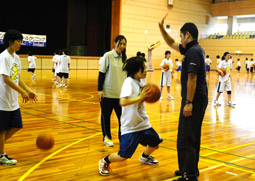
194	99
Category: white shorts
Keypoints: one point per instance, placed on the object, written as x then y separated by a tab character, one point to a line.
224	85
166	78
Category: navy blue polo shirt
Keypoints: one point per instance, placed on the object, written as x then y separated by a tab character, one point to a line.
193	62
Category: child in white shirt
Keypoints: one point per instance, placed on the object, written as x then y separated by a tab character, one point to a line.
166	76
64	64
224	81
32	65
10	85
135	125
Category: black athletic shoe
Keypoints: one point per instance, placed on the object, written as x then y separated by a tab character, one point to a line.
178	173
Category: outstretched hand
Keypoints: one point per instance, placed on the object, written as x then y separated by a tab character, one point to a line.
32	97
161	24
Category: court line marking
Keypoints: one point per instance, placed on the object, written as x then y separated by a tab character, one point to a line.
219	165
227	149
53	154
204	147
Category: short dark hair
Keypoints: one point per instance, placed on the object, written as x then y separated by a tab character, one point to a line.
11	35
167	52
176	60
138	54
217	56
56	52
191	28
133	65
65	51
207	56
30	53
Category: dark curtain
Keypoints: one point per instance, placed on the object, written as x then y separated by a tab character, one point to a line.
76	29
99	26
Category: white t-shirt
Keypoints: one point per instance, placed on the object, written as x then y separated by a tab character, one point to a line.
10	66
100	60
133	117
251	64
31	61
168	62
53	60
231	63
64	61
238	63
178	64
247	64
112	65
227	66
208	61
218	61
57	62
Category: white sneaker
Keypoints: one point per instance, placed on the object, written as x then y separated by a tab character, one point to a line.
161	98
170	97
217	103
5	160
53	79
230	104
103	168
108	141
149	161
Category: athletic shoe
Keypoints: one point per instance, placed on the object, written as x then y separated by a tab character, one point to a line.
161	98
5	160
104	168
178	173
230	104
217	103
170	97
108	141
149	161
53	79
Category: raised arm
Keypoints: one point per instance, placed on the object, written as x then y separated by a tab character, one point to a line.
168	39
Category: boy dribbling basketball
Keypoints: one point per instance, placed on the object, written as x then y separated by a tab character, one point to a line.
135	125
10	85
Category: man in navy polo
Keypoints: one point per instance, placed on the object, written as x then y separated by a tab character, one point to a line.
194	99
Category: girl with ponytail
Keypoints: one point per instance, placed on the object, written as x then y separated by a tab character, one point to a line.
110	80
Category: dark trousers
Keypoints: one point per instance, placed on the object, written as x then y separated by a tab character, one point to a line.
189	135
107	105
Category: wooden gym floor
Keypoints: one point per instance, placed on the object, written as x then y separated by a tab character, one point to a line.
72	116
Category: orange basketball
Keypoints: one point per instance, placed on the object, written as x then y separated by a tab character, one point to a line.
154	93
224	72
166	67
44	141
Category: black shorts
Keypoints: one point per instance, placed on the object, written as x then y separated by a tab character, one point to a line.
53	70
65	75
31	70
238	68
251	69
10	119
